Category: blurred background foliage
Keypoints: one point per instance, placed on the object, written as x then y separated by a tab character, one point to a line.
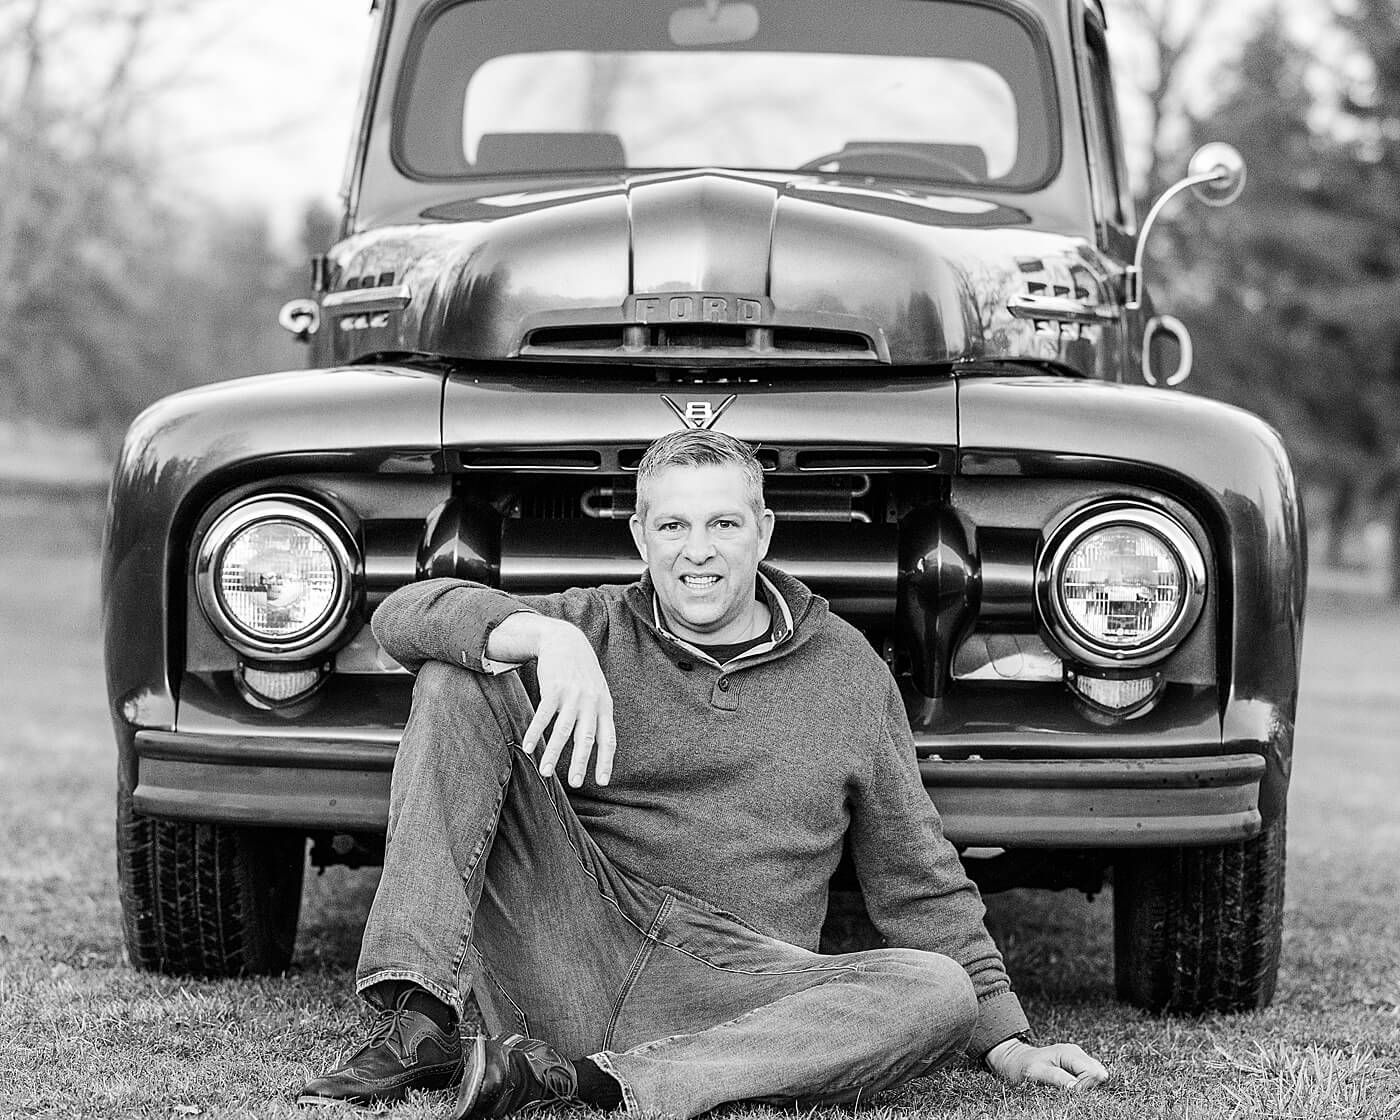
1291	294
119	284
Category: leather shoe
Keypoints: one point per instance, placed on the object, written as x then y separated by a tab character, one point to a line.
509	1073
405	1050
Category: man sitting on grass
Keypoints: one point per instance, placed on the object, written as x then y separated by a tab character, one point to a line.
646	940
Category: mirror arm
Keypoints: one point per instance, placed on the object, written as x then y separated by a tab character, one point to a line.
1132	279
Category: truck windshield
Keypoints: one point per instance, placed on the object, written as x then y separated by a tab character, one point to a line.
942	90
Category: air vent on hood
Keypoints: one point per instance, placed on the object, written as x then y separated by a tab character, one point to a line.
677	341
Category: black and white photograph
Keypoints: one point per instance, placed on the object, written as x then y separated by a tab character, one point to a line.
811	558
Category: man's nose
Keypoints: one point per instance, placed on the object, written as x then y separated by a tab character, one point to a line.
698	546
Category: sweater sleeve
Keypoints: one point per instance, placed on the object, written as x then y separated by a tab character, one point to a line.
451	620
915	888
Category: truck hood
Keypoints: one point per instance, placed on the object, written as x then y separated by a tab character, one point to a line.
716	267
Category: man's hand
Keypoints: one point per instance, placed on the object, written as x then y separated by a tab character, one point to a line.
1063	1064
573	693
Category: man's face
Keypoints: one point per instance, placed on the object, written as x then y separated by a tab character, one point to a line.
702	542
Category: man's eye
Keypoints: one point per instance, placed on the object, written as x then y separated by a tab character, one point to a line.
726	524
669	527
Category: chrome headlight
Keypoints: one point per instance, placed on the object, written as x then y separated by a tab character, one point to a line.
1120	584
274	576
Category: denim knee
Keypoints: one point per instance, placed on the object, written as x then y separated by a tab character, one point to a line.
451	697
939	997
454	722
438	683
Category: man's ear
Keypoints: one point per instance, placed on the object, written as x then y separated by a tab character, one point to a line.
638	538
765	532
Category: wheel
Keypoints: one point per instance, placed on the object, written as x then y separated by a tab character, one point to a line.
207	900
1200	929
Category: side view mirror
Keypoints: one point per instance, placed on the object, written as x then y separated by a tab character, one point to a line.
1216	174
1164	333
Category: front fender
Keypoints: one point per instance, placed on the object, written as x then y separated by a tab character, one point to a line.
187	447
1225	463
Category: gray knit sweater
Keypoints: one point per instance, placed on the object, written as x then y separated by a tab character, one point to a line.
741	783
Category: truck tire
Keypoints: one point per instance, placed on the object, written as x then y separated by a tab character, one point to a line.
1200	929
207	900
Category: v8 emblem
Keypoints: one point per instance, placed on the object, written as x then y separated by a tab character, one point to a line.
700	415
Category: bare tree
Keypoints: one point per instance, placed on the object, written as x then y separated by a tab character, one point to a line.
1170	34
73	181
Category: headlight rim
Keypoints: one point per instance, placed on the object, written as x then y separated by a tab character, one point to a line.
310	515
1069	533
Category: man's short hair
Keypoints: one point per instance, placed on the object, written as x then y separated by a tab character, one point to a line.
696	447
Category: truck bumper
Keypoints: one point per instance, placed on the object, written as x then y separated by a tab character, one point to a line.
1095	802
343	786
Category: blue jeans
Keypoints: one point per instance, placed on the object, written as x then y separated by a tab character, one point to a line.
491	881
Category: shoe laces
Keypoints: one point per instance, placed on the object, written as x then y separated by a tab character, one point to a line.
385	1031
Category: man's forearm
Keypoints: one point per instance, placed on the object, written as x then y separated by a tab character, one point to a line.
440	620
518	637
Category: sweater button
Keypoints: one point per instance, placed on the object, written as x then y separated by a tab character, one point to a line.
685	666
724	684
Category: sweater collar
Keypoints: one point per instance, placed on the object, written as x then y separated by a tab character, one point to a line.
796	612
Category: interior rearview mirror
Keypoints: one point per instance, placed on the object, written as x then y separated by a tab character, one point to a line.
712	23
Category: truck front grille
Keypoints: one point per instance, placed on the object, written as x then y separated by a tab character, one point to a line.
777	460
840	498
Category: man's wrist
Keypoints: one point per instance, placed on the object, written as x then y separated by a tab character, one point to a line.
995	1055
515	639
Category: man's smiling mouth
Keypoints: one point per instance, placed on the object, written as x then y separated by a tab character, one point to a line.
700	582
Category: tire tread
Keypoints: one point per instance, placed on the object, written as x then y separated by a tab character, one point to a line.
1200	929
207	900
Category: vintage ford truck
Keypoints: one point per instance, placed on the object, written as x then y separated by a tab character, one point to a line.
891	243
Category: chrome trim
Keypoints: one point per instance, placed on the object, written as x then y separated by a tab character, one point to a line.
1100	712
1226	172
391	297
1050	568
1168	324
1057	309
636	343
278	507
323	779
700	415
388	571
1096	802
1007	657
533	574
246	674
1216	166
302	317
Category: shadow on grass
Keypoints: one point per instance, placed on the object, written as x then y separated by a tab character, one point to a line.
1058	945
334	905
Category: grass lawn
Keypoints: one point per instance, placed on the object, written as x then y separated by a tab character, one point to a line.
82	1034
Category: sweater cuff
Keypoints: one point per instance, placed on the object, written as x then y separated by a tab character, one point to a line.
999	1016
496	614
